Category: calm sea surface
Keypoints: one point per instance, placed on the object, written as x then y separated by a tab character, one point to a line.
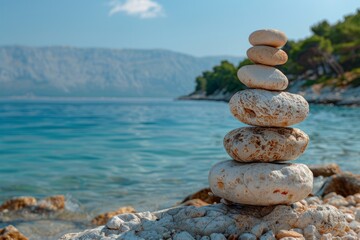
148	153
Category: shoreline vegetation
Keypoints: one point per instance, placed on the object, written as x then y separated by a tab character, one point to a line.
324	68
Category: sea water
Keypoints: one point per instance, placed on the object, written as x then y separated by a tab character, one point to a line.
148	153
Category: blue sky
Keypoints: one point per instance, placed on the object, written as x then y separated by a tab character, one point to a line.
197	27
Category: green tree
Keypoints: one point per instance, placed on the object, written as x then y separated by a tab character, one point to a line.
200	84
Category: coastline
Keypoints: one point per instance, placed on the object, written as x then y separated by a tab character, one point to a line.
315	94
332	187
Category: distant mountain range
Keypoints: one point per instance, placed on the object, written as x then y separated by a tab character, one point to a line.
95	72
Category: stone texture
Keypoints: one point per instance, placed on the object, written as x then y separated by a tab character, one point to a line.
52	203
183	236
195	202
264	77
205	195
247	236
18	203
48	204
267	55
268	236
325	170
11	233
263	144
269	37
260	183
268	108
103	218
286	233
232	220
343	183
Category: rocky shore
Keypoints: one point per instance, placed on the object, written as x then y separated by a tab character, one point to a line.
324	215
201	215
317	94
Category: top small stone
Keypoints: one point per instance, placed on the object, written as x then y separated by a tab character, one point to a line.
268	37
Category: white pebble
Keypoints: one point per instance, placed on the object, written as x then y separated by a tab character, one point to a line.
247	236
259	229
268	236
326	236
311	233
183	236
217	236
357	215
114	223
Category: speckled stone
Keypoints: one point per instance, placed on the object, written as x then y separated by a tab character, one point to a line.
267	55
269	37
268	108
261	184
264	77
263	144
228	220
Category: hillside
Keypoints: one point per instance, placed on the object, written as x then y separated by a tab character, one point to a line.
93	72
324	67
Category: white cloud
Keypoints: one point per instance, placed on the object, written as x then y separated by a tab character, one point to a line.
140	8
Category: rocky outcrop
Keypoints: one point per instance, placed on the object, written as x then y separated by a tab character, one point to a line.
325	170
101	219
309	217
205	195
319	94
52	203
11	233
343	183
339	96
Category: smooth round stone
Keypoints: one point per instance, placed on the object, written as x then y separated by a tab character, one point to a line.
265	77
268	108
261	184
267	55
264	144
268	37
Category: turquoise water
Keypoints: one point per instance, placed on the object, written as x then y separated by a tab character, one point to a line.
149	153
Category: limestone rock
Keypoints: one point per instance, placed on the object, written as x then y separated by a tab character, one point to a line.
247	236
195	202
267	55
11	233
235	220
205	195
52	203
343	183
286	233
269	37
18	203
261	183
262	144
264	77
104	217
268	108
268	236
183	236
325	170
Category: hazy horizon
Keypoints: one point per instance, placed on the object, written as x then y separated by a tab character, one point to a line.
201	28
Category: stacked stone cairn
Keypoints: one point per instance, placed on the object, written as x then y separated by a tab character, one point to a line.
259	174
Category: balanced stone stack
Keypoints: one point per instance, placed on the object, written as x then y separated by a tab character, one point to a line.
258	173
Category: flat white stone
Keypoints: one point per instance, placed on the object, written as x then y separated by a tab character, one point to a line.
268	108
265	77
264	144
268	37
261	184
267	55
